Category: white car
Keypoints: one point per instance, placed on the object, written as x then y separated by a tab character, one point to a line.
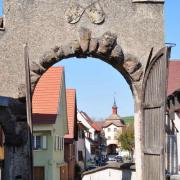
111	158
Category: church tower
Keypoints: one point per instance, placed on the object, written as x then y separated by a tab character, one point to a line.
113	125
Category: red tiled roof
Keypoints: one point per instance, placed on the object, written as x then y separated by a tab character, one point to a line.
46	95
96	127
90	121
71	112
174	76
100	124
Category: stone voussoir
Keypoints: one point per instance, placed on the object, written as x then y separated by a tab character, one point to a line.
107	42
93	45
75	45
34	78
131	64
133	67
68	51
136	76
117	53
84	38
37	68
59	53
48	59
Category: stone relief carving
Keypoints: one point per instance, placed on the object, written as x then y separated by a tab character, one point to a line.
94	12
74	13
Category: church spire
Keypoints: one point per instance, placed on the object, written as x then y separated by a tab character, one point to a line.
114	107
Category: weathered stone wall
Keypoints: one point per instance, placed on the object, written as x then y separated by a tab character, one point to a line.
42	24
123	32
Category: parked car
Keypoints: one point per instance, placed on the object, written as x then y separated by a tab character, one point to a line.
119	158
111	157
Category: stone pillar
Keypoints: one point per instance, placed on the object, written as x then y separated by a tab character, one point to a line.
17	163
138	135
17	159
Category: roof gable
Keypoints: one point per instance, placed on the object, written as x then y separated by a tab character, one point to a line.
115	122
174	76
90	121
71	113
96	127
100	124
45	100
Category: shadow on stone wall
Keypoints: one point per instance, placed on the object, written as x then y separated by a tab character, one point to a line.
126	175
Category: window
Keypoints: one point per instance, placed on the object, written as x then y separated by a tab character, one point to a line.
90	135
109	129
109	137
59	143
93	150
39	142
81	133
80	156
95	137
115	129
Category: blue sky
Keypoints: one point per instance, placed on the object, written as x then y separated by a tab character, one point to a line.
172	26
97	82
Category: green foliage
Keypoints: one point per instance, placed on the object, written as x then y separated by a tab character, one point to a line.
128	119
126	138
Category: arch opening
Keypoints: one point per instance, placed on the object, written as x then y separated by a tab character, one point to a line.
115	148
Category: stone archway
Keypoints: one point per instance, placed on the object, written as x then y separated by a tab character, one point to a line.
138	25
104	48
111	149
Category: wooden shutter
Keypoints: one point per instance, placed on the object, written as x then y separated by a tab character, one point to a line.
62	143
59	142
44	142
56	143
154	101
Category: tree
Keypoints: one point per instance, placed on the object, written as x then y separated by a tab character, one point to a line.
126	139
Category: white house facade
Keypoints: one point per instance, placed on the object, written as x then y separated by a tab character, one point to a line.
91	135
177	124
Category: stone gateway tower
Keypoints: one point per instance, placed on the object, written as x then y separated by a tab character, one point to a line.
112	125
127	34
